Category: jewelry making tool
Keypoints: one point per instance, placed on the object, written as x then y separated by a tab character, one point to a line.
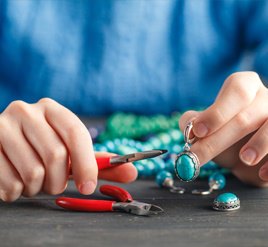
108	162
123	203
187	166
226	202
164	179
216	181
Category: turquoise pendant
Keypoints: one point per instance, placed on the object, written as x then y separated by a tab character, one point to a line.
226	202
187	166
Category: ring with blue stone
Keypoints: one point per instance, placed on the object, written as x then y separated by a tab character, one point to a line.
187	166
226	202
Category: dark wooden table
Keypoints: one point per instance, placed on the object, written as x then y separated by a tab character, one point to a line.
188	220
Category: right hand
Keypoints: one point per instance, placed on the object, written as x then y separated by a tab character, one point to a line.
39	143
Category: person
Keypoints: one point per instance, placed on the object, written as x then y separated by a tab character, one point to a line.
61	58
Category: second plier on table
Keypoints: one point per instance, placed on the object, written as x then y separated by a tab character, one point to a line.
124	202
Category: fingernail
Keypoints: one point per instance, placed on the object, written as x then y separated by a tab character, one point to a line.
263	173
200	129
3	195
87	187
248	156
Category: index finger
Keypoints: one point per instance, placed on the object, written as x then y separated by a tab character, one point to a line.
238	92
78	142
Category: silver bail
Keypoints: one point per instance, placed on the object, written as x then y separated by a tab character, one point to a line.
187	132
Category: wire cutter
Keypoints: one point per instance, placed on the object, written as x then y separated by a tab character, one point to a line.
107	162
124	202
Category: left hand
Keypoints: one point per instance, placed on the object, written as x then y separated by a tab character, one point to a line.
234	129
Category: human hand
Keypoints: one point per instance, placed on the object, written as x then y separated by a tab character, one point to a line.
234	129
39	143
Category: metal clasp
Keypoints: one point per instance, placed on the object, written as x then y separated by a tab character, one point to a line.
187	136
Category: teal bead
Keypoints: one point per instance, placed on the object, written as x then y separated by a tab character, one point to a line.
131	143
123	150
219	179
100	148
117	141
155	142
165	139
226	202
185	168
176	148
124	141
162	176
110	146
139	146
176	135
147	146
170	165
159	164
148	168
140	169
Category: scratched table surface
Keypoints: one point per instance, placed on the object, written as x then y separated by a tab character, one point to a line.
188	220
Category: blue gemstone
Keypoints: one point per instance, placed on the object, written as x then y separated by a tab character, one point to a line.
162	176
185	167
227	198
219	178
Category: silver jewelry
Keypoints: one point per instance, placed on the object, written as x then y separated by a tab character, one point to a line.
187	165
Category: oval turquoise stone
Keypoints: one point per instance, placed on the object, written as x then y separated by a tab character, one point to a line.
185	167
227	198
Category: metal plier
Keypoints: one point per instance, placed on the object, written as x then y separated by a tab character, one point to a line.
124	202
108	162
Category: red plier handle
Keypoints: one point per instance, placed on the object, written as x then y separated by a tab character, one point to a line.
96	205
104	162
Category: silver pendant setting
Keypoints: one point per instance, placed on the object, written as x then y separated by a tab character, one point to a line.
187	165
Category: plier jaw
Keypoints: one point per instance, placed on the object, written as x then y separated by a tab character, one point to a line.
117	160
137	208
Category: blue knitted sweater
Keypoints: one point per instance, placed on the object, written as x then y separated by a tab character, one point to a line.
142	56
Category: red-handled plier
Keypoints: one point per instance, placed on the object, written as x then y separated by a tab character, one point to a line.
107	162
124	203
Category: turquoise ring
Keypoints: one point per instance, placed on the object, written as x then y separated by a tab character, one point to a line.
226	202
187	166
